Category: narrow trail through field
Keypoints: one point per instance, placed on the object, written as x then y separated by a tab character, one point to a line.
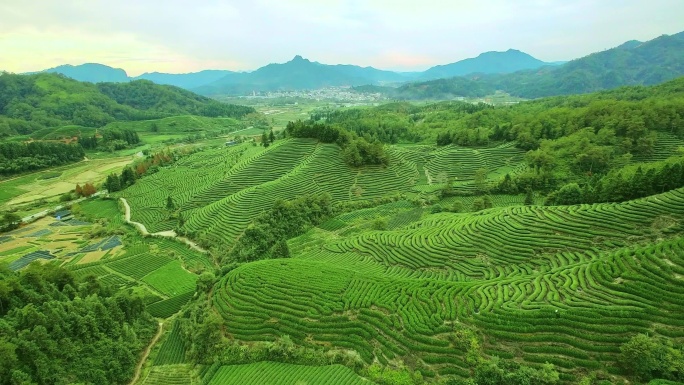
146	353
168	234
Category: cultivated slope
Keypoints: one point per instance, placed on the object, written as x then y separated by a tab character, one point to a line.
565	285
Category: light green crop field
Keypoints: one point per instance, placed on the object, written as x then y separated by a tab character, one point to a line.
566	285
273	373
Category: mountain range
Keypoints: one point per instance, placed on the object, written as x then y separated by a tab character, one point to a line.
632	63
512	71
300	73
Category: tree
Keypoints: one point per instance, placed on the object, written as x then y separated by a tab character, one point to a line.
264	139
78	191
169	203
478	204
456	207
529	197
480	180
127	177
88	190
9	221
448	189
271	137
112	184
487	201
570	194
280	250
648	358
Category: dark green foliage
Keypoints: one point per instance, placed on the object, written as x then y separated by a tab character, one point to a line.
265	237
649	358
169	203
623	184
9	221
529	197
113	183
496	372
356	151
17	157
58	330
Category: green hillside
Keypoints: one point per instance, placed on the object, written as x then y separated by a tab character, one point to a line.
565	285
30	103
441	265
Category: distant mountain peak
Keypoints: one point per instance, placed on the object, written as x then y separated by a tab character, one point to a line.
491	62
299	59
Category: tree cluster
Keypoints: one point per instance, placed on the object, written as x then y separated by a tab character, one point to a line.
648	358
110	139
630	182
129	175
18	157
356	151
56	329
87	190
9	221
266	236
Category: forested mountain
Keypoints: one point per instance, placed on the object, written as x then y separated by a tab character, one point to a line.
631	63
298	74
91	72
32	102
486	63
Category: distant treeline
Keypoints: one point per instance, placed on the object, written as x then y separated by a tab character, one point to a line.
356	151
18	157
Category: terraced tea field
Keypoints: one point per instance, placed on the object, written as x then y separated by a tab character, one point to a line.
566	285
228	187
273	373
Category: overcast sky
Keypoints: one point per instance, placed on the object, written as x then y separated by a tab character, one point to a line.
190	35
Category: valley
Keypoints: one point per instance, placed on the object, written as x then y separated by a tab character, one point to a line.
150	235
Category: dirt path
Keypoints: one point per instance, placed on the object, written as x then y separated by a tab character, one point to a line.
146	353
168	233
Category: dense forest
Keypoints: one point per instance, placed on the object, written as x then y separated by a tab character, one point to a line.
32	102
18	157
56	329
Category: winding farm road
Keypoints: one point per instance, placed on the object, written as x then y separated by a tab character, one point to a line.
146	353
168	234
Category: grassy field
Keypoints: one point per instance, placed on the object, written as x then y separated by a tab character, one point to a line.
40	186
